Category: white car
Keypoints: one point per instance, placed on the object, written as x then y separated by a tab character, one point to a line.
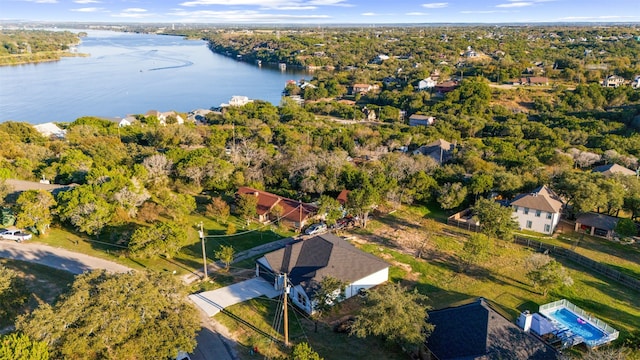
16	235
316	229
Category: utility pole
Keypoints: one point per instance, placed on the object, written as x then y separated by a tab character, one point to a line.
286	317
204	252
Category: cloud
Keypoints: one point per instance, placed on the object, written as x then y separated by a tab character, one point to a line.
240	16
133	13
270	4
435	5
43	1
515	4
89	9
86	1
483	11
416	13
369	14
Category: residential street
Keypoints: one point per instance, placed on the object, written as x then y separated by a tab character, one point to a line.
212	345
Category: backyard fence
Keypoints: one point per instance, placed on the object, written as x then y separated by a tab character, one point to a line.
605	270
467	225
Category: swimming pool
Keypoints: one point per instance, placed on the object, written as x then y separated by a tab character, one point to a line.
577	325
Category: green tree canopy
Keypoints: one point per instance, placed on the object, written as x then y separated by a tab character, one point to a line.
394	313
35	210
18	346
84	208
495	220
134	315
13	295
247	206
476	249
225	254
546	274
162	238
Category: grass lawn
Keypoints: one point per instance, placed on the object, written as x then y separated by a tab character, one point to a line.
189	259
624	258
260	312
500	279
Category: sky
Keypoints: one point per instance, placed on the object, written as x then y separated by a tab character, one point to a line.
322	11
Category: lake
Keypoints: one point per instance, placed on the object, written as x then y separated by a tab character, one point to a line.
132	74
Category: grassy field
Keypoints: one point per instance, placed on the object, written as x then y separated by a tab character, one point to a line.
328	343
109	245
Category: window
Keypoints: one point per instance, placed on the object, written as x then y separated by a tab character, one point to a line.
549	215
302	299
515	209
538	212
547	228
526	211
529	224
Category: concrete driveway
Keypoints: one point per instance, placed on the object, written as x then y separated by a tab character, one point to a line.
211	302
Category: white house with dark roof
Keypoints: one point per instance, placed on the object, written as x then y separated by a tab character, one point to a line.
538	211
307	262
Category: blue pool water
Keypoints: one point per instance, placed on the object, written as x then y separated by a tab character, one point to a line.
582	328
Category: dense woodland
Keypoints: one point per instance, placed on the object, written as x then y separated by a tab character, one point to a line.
23	46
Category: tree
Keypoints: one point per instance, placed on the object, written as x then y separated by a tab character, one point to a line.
277	211
329	293
35	210
113	316
546	274
162	238
158	169
5	189
495	220
476	249
13	295
247	206
451	195
394	313
626	228
218	209
303	351
84	208
331	208
361	201
19	346
225	254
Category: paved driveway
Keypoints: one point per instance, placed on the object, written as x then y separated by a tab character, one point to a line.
211	302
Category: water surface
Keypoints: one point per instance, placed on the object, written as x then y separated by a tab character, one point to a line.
131	74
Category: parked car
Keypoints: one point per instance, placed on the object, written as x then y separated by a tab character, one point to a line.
14	234
316	229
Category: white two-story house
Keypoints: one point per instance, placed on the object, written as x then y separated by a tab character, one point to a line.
538	211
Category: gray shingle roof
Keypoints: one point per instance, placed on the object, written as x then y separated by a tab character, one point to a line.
540	199
610	169
477	331
600	221
308	261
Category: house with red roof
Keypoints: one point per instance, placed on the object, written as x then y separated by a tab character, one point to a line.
294	213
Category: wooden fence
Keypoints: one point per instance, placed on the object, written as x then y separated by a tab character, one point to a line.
603	269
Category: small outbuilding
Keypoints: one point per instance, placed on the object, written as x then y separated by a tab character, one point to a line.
597	224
